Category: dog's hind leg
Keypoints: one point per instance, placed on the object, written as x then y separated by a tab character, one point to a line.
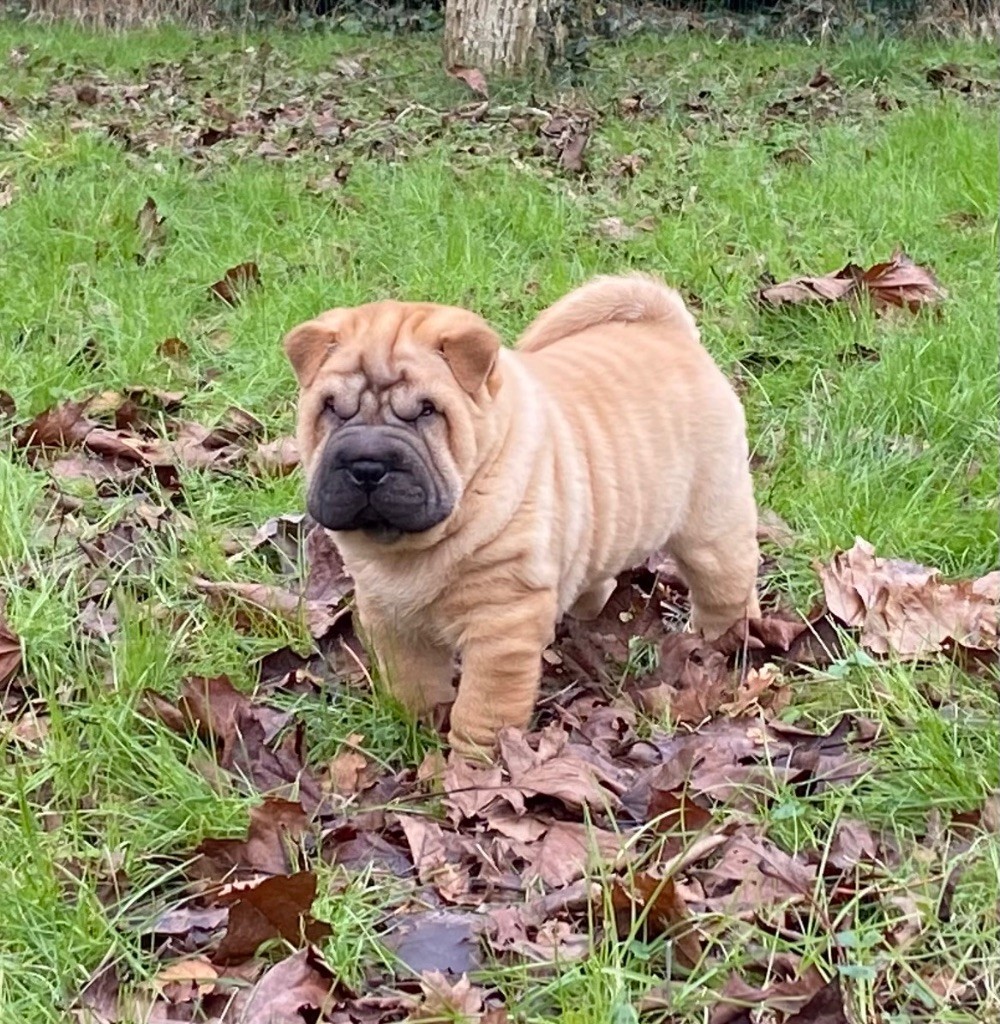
591	602
717	554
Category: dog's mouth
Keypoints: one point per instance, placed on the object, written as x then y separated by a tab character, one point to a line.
376	481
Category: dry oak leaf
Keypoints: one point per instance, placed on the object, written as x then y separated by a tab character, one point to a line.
905	609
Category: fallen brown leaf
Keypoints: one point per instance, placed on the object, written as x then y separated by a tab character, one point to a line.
787	996
174	349
251	740
905	609
152	231
896	282
10	649
692	681
437	940
235	283
275	458
318	616
472	77
442	999
616	230
556	770
751	874
293	991
825	1007
183	981
569	848
901	282
437	857
656	903
277	907
350	770
275	828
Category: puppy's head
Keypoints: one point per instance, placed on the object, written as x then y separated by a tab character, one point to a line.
391	396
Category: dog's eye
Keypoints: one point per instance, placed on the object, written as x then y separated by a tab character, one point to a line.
427	408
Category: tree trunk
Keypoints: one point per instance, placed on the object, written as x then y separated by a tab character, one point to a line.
508	35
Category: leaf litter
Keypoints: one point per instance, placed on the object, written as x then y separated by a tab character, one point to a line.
512	861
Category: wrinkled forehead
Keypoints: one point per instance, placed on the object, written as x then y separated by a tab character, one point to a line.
383	340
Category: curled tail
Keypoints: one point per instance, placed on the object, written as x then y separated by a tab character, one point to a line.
630	298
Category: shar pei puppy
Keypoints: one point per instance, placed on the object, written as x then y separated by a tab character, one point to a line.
478	493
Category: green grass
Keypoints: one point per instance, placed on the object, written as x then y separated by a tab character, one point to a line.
901	450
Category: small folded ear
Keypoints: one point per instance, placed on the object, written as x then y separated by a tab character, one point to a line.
307	346
470	350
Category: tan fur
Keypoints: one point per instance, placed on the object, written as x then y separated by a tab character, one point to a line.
608	433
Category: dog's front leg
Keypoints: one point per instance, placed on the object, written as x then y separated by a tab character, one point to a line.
416	671
501	668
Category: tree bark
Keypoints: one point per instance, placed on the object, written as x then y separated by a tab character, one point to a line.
506	35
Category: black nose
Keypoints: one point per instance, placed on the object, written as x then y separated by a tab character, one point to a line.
367	473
